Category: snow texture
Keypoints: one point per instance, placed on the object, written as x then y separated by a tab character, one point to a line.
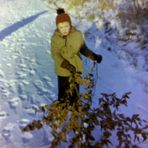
27	77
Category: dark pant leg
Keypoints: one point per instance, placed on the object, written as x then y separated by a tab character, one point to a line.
63	85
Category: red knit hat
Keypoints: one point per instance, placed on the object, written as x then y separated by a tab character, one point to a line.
62	16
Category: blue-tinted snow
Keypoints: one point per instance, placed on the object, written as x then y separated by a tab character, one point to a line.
27	77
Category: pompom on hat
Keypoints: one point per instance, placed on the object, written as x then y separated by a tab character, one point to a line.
62	16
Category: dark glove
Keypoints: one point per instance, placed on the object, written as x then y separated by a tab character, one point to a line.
97	57
65	64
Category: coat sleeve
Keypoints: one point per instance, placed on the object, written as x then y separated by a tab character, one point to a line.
55	53
86	52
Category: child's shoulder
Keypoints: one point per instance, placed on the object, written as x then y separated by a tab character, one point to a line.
75	31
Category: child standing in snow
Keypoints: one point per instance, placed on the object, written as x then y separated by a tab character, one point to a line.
67	44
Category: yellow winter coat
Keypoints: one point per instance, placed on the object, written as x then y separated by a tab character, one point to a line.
67	48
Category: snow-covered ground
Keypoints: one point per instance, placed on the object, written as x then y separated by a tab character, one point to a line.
27	77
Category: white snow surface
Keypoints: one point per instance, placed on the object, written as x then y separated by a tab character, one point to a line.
27	77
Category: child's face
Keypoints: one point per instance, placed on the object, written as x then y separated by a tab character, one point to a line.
64	28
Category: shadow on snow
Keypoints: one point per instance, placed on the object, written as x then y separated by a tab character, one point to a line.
14	27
